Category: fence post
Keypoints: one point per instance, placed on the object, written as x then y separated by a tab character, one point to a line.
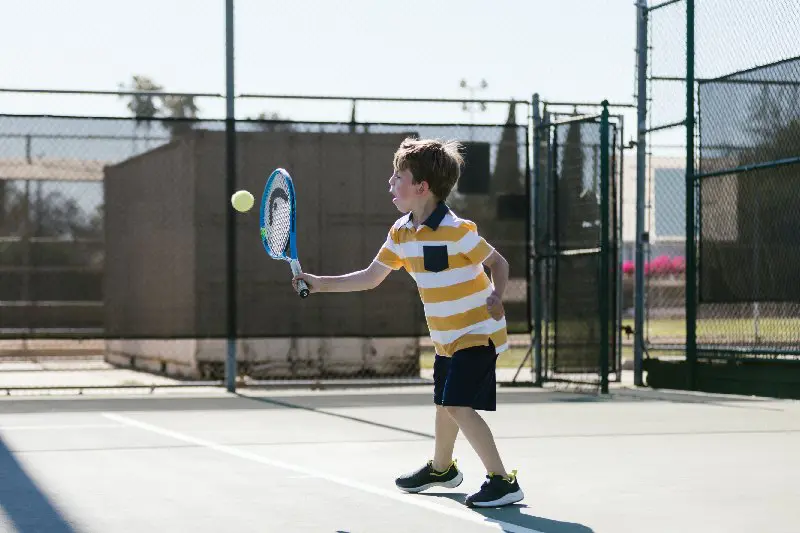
641	191
620	243
691	258
605	263
537	269
230	186
550	242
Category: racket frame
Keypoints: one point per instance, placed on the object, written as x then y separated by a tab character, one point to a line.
294	263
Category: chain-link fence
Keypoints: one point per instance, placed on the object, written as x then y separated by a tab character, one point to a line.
741	60
113	233
749	206
743	119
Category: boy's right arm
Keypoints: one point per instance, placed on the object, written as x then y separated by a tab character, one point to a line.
363	280
388	259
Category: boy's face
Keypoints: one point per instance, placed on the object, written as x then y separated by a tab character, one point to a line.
407	194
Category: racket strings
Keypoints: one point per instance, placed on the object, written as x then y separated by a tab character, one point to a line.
278	217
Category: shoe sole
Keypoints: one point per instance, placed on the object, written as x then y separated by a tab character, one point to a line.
453	483
508	499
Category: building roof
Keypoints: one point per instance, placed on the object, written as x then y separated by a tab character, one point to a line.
51	169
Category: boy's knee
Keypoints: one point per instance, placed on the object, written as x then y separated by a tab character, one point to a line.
457	411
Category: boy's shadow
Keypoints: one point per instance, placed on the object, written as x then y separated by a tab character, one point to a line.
514	514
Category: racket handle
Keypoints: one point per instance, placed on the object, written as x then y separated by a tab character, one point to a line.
302	286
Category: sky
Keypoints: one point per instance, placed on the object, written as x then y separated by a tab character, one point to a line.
577	50
565	50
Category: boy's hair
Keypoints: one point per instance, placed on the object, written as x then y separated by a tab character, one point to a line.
437	162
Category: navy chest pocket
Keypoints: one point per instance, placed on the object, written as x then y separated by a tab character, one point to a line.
435	258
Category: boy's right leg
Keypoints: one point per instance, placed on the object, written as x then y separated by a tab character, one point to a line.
446	433
442	470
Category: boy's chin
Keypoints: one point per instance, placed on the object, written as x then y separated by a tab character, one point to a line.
400	206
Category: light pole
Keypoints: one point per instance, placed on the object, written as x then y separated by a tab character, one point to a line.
470	106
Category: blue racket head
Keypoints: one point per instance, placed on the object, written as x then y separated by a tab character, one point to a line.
277	216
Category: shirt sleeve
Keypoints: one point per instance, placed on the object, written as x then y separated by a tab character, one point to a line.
390	254
473	246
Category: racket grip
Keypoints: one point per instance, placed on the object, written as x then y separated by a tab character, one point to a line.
302	286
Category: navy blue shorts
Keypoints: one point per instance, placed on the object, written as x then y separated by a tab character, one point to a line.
466	379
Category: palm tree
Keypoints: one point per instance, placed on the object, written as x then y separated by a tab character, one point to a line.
183	110
143	106
272	121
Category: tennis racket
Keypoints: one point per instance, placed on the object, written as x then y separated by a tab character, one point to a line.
277	221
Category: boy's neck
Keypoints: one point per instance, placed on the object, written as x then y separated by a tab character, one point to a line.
421	213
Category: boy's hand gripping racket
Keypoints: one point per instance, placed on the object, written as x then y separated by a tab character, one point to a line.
277	221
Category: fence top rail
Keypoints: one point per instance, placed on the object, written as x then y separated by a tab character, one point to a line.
341	123
342	98
731	77
570	120
557	114
588	104
107	93
662	4
383	99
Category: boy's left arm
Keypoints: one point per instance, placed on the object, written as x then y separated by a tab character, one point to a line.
478	251
498	266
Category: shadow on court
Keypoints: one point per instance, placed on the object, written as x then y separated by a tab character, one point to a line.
23	502
287	405
344	399
513	514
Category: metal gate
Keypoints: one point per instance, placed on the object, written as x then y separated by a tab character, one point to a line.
575	278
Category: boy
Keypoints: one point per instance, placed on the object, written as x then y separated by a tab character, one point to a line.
463	308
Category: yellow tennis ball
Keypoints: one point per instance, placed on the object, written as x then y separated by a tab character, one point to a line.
242	201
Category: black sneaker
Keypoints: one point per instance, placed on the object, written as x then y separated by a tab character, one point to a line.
497	491
426	477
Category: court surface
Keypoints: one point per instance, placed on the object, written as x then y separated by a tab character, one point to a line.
325	461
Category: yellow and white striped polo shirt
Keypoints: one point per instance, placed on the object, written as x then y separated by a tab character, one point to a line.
445	257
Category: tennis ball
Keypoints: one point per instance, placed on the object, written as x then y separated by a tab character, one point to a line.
242	201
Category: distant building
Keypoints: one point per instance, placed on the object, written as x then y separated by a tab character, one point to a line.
52	248
665	219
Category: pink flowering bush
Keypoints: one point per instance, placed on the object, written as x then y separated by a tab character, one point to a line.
661	266
628	267
678	265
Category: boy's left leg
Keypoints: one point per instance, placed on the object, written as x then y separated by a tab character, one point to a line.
479	436
500	488
471	386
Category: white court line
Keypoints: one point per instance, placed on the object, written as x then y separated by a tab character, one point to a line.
61	426
469	516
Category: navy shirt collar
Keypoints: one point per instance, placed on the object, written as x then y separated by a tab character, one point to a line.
435	218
